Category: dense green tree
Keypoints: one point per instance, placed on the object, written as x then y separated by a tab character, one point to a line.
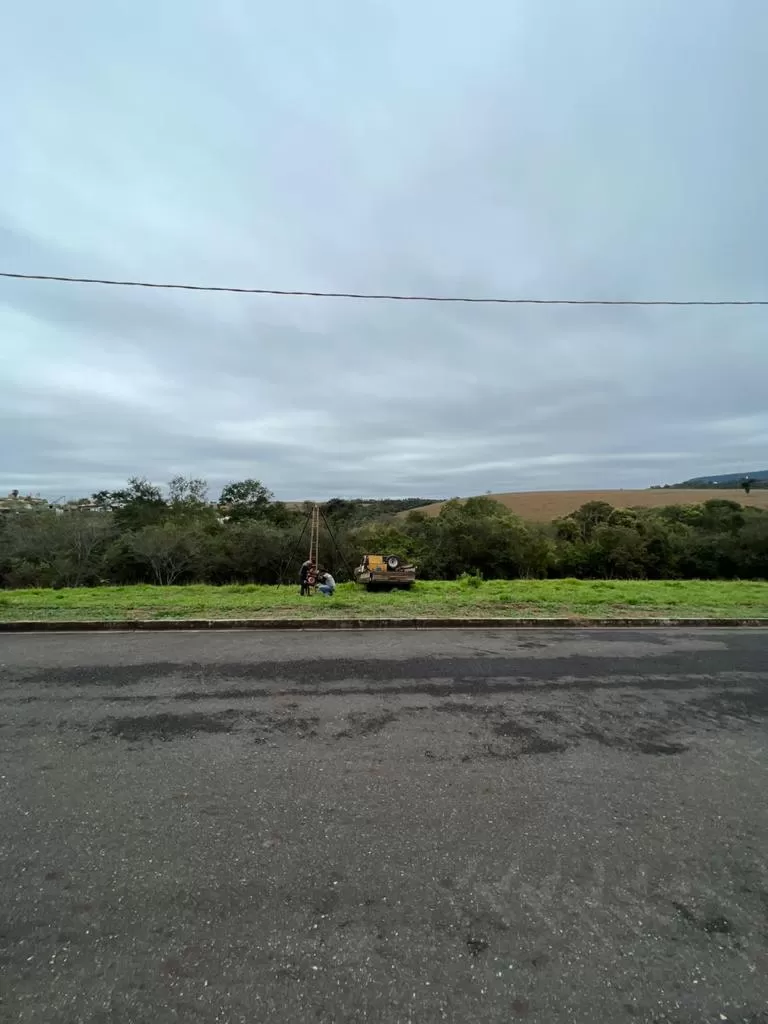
249	551
721	516
168	549
50	548
187	491
481	537
584	521
616	552
385	538
136	535
245	499
188	503
139	504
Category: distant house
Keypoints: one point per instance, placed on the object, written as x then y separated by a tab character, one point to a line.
16	502
81	505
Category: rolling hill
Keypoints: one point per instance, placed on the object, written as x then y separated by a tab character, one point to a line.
543	506
724	479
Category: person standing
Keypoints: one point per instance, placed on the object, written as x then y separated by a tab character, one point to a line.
307	570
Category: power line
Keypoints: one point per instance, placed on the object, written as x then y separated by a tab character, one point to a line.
391	298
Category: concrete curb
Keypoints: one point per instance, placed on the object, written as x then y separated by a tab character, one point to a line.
120	625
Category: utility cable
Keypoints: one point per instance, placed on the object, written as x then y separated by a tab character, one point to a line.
489	300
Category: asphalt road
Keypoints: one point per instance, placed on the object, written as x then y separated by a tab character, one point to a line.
386	827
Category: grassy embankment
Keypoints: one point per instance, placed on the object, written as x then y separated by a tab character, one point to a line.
508	599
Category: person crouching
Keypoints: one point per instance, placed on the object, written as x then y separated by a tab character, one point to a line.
327	584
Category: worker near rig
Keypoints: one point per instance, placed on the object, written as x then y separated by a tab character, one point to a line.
307	576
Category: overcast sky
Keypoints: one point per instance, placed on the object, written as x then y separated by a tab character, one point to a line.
543	148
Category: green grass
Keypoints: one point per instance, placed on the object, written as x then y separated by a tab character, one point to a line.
508	599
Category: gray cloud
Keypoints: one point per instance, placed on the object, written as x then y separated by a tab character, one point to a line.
529	149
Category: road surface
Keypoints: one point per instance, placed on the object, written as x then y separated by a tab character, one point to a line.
388	827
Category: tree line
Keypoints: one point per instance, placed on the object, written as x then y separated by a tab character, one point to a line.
140	534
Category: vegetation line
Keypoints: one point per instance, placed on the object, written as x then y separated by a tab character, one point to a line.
141	535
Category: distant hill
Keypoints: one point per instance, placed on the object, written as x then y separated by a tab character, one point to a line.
544	506
725	479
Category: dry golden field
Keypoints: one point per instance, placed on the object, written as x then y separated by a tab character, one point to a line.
542	506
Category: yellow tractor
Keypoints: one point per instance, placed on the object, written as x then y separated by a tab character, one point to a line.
385	572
